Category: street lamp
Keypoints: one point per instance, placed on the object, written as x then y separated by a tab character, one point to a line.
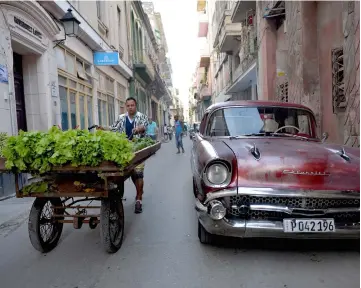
71	26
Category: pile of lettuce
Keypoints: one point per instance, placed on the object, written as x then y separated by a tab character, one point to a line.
3	138
37	152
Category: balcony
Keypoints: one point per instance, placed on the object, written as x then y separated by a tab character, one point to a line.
230	35
201	6
206	93
241	10
203	26
220	13
143	67
204	57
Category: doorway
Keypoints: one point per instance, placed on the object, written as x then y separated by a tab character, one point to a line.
19	92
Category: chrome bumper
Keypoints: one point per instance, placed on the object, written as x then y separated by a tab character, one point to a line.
267	229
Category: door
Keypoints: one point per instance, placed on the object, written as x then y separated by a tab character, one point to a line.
19	92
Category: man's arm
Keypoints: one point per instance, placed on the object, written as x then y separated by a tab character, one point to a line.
143	124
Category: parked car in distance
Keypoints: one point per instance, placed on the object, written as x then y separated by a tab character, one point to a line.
259	170
194	129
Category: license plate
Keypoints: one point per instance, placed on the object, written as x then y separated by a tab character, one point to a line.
308	225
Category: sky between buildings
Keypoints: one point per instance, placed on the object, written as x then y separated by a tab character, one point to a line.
180	22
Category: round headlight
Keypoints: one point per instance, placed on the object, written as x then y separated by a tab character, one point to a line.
217	173
217	211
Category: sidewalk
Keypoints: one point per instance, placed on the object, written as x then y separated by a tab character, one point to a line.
13	213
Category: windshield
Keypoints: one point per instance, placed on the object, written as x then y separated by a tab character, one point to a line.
243	121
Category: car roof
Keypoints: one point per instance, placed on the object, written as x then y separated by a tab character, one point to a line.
250	103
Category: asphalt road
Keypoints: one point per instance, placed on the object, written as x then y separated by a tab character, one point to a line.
161	248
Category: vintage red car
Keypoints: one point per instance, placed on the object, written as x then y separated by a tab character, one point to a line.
259	170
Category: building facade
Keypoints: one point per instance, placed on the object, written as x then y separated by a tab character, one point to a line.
73	80
160	105
233	35
309	54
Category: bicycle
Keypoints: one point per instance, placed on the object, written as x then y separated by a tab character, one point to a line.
165	138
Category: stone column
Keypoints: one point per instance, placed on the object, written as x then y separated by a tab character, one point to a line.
254	91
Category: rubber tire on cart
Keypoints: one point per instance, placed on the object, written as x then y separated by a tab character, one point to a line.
35	219
109	207
203	235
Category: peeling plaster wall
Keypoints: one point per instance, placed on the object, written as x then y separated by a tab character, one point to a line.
351	32
330	36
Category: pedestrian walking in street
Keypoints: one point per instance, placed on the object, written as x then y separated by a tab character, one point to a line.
178	134
165	131
134	124
152	129
170	132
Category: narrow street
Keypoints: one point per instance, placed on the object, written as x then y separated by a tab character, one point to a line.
161	247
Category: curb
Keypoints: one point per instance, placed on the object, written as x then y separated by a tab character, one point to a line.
7	197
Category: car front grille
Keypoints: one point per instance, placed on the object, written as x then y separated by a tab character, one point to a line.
292	202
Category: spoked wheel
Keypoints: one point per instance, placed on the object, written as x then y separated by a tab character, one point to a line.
44	229
112	224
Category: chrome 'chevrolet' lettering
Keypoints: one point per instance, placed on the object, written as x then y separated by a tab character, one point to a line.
307	173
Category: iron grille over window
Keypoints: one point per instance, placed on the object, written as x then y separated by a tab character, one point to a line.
338	85
283	92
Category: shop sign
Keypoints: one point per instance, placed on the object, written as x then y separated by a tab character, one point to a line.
106	58
27	27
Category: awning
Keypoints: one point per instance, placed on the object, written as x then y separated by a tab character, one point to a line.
244	80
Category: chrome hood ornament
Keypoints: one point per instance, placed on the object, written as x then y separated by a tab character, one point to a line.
255	152
343	154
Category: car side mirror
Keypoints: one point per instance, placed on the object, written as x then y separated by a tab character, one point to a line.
324	137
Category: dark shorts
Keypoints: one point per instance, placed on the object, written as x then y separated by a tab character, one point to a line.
138	173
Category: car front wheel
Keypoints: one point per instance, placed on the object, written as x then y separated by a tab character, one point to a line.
203	235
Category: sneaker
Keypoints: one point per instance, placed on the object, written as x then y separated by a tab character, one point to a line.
138	207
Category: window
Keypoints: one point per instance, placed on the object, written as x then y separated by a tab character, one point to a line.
338	84
283	92
262	121
121	97
75	92
106	110
73	65
100	10
119	14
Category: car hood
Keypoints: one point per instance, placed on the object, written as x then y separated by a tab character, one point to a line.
295	164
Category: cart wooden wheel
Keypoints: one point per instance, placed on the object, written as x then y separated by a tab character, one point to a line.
112	224
44	229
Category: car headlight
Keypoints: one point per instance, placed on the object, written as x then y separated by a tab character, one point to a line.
216	210
217	173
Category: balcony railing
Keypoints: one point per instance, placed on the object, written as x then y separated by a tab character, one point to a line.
222	8
248	52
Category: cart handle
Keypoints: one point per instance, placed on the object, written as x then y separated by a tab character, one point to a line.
92	127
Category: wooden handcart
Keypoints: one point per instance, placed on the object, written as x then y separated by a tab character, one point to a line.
66	188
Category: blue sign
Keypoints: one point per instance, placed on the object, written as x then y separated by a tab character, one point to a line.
106	58
4	76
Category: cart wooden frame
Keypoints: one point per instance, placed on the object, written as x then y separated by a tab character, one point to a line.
104	183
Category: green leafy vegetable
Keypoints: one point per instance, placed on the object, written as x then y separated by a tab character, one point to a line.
36	187
141	143
3	138
38	152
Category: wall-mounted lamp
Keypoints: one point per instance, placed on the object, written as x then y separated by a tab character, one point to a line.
71	26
